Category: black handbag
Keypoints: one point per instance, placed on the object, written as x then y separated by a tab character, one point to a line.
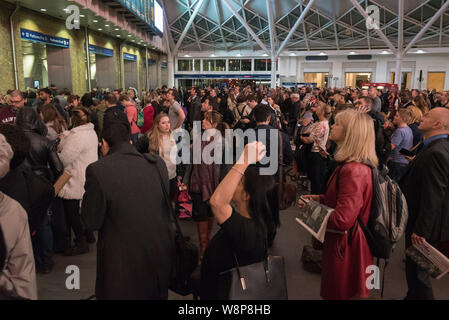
187	255
263	280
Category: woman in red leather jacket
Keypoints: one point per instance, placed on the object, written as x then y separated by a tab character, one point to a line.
346	254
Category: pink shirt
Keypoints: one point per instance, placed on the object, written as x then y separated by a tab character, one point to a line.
131	113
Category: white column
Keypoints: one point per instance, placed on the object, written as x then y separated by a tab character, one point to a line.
381	71
159	71
398	72
337	71
273	72
171	71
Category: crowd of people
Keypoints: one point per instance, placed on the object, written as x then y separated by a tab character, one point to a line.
100	162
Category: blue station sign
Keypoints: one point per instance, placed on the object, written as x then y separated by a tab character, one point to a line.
129	57
101	51
44	38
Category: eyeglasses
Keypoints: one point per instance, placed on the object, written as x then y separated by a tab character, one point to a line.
15	102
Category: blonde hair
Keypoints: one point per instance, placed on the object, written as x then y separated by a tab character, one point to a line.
155	135
416	114
405	115
358	144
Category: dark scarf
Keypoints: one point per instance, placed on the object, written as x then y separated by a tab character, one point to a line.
204	177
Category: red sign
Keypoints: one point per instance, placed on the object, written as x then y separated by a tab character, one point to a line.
379	84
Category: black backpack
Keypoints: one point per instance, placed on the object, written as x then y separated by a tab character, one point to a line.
388	217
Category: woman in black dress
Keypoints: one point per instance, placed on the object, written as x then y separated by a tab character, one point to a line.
243	225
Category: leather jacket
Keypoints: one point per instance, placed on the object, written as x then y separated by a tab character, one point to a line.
43	159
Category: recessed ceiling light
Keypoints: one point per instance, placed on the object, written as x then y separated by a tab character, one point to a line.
265	55
118	35
322	54
106	25
82	15
384	52
43	10
186	56
352	52
420	51
94	20
292	54
213	55
129	35
66	10
239	55
100	29
117	29
76	21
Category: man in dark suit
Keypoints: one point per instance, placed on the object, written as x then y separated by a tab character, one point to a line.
426	188
124	200
195	106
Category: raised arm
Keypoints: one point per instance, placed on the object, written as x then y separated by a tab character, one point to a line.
222	197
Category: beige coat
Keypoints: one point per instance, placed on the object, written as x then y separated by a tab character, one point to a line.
18	278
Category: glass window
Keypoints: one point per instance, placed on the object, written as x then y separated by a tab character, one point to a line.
269	65
185	65
234	65
260	65
355	80
208	65
246	65
196	65
220	65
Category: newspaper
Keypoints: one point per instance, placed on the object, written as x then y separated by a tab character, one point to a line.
313	217
429	259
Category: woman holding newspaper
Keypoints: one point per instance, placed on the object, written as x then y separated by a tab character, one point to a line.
346	254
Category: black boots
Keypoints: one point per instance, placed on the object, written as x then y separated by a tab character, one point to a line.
81	247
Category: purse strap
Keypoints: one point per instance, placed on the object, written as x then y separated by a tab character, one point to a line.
265	266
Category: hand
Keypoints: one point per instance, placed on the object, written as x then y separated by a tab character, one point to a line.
254	152
363	109
245	121
324	153
314	197
306	122
417	239
410	159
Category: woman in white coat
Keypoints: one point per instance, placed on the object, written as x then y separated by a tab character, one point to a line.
77	150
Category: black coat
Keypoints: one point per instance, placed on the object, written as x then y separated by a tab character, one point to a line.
426	188
124	201
43	159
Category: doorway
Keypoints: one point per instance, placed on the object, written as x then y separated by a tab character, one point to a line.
435	80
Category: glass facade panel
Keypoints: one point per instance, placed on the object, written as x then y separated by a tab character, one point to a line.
208	65
220	65
185	65
260	65
234	64
246	65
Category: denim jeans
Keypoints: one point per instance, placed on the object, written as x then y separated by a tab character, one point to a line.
397	170
43	243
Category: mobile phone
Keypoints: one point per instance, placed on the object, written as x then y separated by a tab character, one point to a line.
406	152
306	135
299	124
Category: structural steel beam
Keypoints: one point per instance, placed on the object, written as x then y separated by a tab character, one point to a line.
378	31
427	26
247	27
189	24
298	22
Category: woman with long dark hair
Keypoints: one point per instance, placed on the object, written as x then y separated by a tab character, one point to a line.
202	179
54	121
243	225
